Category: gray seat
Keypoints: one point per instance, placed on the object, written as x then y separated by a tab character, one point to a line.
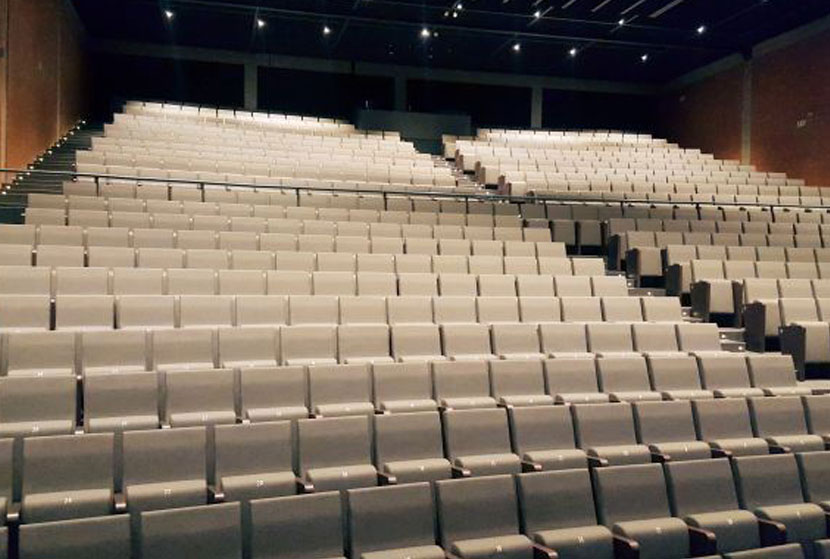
477	442
392	522
121	402
817	409
782	422
573	381
676	377
543	437
164	469
626	379
480	518
703	495
726	426
203	532
338	390
770	487
335	453
107	536
462	384
726	374
37	406
253	346
558	512
300	527
273	393
606	433
814	468
254	461
199	398
668	428
632	501
516	383
409	447
114	351
402	387
67	477
775	374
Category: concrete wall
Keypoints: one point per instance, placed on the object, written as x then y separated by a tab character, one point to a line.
44	78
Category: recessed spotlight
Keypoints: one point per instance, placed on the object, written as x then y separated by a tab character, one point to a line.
701	30
455	14
425	33
326	30
621	22
435	33
460	6
537	14
644	58
517	47
447	14
260	23
169	14
573	52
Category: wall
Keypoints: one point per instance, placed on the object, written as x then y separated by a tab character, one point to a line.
791	110
44	77
706	114
597	110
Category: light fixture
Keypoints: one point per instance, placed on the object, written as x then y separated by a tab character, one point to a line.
621	22
537	14
447	13
455	14
644	58
573	52
169	14
459	7
517	47
425	33
701	30
326	30
260	23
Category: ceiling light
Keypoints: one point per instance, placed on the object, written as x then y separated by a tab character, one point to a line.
447	14
517	47
537	14
435	33
644	58
573	52
326	30
460	6
621	22
455	14
169	14
425	33
701	30
260	23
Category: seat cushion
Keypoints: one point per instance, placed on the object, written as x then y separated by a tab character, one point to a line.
277	414
558	459
48	507
736	530
39	428
504	547
419	552
621	455
692	450
126	423
490	464
528	400
659	538
805	521
587	542
342	410
468	403
258	486
688	394
742	447
195	419
582	398
402	406
411	471
340	478
166	495
739	392
799	443
789	551
636	397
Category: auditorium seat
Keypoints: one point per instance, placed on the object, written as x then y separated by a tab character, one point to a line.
36	406
335	453
203	532
273	393
402	387
676	377
668	429
462	384
726	374
409	447
782	423
725	424
543	438
606	433
518	383
477	442
120	401
573	381
199	398
105	536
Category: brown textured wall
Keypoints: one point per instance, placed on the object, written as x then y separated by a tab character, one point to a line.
45	77
4	18
791	110
706	114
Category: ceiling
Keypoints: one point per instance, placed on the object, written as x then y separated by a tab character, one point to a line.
657	41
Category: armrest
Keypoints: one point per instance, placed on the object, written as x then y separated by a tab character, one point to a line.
528	466
542	552
303	486
120	502
659	457
777	449
458	471
216	494
597	462
385	478
721	453
702	542
772	532
13	513
625	548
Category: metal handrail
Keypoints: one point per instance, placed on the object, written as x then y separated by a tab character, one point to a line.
467	197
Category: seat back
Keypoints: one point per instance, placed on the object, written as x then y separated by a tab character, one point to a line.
699	487
767	481
603	425
556	500
335	441
407	436
628	493
476	432
476	508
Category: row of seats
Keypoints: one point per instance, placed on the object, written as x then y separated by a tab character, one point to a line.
666	217
565	514
202	345
205	281
119	394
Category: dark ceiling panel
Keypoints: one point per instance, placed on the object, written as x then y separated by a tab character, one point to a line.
478	37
